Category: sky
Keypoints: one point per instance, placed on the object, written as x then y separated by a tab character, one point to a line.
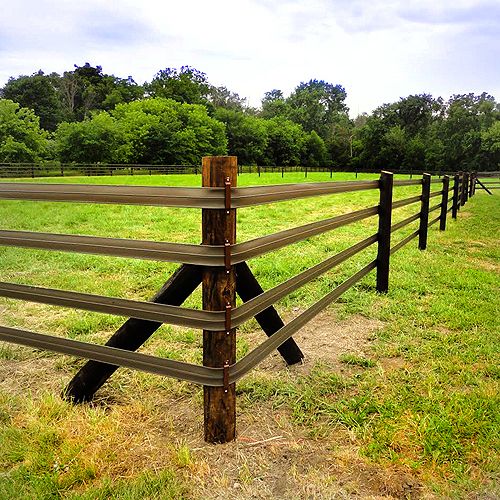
378	50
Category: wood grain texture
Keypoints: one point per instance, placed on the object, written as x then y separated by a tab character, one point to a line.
219	290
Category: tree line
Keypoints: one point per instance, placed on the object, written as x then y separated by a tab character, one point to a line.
87	116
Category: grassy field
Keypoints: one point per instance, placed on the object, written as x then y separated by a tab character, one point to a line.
398	396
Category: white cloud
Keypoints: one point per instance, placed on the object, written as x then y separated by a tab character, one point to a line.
379	51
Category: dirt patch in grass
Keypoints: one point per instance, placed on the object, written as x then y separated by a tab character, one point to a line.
32	376
325	339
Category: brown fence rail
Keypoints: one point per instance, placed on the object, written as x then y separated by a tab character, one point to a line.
220	264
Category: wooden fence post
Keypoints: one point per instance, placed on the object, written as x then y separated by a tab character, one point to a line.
384	231
463	196
444	203
456	190
219	294
471	184
424	212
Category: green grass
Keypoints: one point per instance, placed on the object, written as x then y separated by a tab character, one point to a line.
425	399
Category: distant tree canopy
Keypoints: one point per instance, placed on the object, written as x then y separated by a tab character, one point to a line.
86	115
150	131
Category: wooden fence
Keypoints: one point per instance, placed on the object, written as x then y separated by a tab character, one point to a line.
220	264
489	181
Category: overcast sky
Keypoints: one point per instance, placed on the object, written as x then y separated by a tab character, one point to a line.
378	50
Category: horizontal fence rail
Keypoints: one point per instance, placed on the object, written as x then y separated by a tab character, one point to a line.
219	265
138	361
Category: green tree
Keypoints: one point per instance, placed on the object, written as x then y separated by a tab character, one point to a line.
87	89
285	142
187	85
316	105
490	147
21	139
314	152
462	127
164	131
98	139
221	97
38	92
246	135
274	104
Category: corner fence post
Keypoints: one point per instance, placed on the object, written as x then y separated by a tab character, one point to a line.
219	294
384	231
444	203
456	188
424	212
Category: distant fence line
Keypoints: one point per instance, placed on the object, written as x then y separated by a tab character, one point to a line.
56	169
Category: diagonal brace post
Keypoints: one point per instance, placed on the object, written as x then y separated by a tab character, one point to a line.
132	334
247	287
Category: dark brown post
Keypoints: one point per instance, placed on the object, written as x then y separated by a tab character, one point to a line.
444	203
219	294
384	231
471	184
424	212
456	188
463	198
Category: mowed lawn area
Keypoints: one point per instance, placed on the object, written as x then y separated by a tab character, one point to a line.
398	396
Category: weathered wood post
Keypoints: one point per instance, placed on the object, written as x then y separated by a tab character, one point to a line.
424	212
471	184
444	203
456	189
384	231
219	294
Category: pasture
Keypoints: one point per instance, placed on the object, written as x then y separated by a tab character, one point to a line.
398	396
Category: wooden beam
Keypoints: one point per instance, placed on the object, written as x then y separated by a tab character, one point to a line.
424	212
247	287
384	231
219	294
444	203
483	186
132	334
